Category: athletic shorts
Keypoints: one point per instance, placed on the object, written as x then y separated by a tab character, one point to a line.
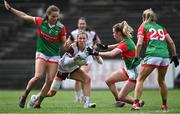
156	62
131	73
67	75
51	59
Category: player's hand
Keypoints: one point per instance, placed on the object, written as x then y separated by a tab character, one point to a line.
7	6
82	56
102	46
175	60
91	51
80	62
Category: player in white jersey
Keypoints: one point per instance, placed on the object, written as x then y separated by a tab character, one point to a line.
69	67
92	40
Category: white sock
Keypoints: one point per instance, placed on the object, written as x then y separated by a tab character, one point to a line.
86	99
78	94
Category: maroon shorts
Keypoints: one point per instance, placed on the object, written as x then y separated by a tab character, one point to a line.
63	76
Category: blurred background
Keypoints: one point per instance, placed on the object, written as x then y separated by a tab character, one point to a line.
17	38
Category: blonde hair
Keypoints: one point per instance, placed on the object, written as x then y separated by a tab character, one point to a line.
149	16
82	32
50	9
69	43
124	28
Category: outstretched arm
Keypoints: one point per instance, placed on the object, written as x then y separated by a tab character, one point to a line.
111	53
104	47
112	46
18	13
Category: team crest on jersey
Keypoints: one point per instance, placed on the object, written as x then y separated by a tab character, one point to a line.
50	31
57	32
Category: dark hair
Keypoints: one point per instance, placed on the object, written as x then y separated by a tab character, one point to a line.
88	28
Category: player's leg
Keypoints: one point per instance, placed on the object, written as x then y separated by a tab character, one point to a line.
50	74
114	78
144	72
126	89
40	66
78	91
55	85
163	88
53	90
129	86
78	85
82	76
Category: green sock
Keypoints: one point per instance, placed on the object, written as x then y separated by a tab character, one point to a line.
116	99
27	91
136	100
41	98
164	101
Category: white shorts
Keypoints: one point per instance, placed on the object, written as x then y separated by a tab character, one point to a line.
156	62
131	73
51	59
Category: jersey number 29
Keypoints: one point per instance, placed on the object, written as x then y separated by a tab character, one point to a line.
157	33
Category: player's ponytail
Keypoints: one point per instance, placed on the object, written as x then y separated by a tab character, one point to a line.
127	30
124	28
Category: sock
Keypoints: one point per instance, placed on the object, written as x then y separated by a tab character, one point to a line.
164	101
41	98
86	99
78	94
27	91
116	99
136	100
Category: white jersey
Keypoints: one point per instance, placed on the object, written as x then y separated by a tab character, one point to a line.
67	64
89	42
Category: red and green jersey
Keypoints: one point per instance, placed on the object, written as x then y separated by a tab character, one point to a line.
155	38
127	47
48	38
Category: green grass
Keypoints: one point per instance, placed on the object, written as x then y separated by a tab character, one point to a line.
63	102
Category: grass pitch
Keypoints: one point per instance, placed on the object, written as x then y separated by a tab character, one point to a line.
63	102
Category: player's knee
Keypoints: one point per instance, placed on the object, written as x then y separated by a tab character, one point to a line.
49	80
108	82
87	80
38	76
77	83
